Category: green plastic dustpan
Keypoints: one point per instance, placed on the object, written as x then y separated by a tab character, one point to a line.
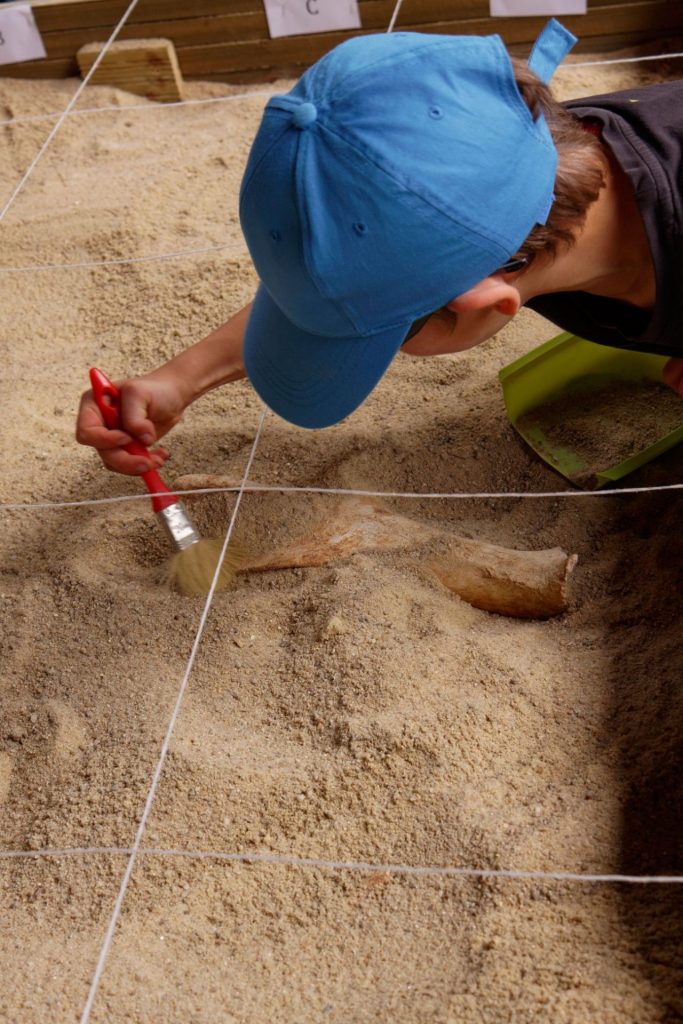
559	367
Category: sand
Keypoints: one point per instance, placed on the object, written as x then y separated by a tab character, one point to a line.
601	422
356	712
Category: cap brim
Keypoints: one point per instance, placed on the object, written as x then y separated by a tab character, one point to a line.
310	380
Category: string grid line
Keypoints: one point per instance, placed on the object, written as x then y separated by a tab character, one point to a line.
135	108
135	851
34	268
617	60
394	16
109	935
121	260
236	96
152	106
256	488
65	113
389	868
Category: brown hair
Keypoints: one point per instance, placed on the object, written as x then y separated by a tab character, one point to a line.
580	172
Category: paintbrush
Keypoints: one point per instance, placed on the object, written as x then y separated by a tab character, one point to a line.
191	569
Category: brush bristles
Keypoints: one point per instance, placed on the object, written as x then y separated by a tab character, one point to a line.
191	571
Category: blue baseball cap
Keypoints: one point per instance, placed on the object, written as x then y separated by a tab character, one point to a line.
399	171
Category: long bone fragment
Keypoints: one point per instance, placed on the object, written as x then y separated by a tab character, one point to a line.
522	584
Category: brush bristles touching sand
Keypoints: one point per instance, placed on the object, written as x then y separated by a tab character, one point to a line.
191	571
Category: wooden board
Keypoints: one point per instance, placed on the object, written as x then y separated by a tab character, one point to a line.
228	39
145	67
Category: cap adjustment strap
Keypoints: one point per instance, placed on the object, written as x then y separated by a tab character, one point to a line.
553	44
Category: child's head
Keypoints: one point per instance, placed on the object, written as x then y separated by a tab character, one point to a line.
399	171
580	172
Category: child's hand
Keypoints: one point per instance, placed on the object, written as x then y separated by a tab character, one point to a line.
150	406
673	374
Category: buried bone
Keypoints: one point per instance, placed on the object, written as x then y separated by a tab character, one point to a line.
521	584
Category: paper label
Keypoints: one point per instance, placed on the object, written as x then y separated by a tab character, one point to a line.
302	17
526	8
19	36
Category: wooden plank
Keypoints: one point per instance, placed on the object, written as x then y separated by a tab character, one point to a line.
650	18
196	31
641	42
146	67
68	15
53	15
60	67
595	45
209	30
192	27
181	32
233	46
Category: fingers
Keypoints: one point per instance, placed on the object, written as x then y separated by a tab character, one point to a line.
90	428
673	374
110	444
120	461
134	414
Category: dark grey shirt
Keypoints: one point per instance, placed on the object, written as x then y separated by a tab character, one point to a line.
644	130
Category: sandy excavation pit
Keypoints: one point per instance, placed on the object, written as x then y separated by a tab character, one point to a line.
351	712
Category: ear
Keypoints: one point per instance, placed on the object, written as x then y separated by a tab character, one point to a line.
491	293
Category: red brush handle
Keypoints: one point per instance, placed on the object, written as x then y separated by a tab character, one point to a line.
108	401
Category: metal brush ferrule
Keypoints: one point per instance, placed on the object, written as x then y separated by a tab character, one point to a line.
179	526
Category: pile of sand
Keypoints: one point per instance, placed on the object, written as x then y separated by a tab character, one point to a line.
601	422
353	712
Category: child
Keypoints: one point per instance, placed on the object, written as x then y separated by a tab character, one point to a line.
411	193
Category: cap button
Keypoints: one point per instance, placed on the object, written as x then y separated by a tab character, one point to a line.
304	115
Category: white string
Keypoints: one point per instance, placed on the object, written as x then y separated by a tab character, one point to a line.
349	491
118	261
135	851
145	108
66	111
358	493
137	108
411	869
258	857
616	60
216	99
69	851
109	935
394	16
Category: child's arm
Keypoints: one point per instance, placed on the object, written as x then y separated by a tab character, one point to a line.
673	374
151	405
